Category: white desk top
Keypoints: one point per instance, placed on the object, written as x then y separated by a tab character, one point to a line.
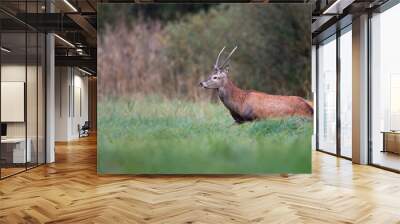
13	140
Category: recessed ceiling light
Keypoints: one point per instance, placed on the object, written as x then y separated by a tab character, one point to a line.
84	71
70	5
64	40
5	50
337	7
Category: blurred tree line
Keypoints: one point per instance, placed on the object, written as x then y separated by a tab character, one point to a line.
110	14
169	48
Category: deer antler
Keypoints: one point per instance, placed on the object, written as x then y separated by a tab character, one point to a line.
229	56
216	63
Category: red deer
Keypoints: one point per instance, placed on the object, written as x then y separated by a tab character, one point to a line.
249	105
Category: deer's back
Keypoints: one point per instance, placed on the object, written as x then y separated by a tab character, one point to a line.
262	105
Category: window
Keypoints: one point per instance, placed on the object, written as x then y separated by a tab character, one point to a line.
346	92
327	95
385	88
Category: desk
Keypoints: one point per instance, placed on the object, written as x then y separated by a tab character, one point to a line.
16	147
391	141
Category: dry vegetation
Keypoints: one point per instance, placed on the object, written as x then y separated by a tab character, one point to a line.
133	61
128	59
169	59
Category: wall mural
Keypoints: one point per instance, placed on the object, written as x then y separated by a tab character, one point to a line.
204	89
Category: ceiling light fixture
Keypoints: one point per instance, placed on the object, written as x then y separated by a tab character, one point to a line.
337	7
84	71
70	5
329	9
64	40
79	51
5	50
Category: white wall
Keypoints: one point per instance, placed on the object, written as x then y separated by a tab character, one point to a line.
13	100
71	94
33	126
12	73
62	82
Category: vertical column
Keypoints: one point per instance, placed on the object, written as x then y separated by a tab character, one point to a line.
92	100
50	92
360	90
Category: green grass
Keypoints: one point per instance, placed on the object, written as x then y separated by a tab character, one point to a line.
155	136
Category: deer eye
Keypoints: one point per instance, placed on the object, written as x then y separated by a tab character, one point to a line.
215	77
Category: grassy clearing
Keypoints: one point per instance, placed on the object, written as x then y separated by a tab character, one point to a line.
155	136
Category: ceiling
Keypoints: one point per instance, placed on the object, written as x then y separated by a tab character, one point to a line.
75	23
332	15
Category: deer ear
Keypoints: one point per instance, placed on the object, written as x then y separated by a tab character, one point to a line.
226	69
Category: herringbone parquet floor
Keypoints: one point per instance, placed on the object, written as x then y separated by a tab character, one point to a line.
70	191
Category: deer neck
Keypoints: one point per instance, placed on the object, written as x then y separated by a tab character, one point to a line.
231	96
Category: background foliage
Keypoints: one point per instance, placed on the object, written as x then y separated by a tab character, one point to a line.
168	49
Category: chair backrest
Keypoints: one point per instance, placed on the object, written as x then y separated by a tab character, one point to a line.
86	125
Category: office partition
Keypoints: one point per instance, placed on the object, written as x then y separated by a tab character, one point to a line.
22	78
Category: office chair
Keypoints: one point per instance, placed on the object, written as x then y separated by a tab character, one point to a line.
84	130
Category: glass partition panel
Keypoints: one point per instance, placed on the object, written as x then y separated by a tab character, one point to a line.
327	95
22	77
346	93
14	153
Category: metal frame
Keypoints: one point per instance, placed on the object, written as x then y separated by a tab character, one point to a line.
369	98
316	97
26	89
0	90
338	74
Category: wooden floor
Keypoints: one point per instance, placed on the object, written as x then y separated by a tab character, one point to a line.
387	159
5	172
70	191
